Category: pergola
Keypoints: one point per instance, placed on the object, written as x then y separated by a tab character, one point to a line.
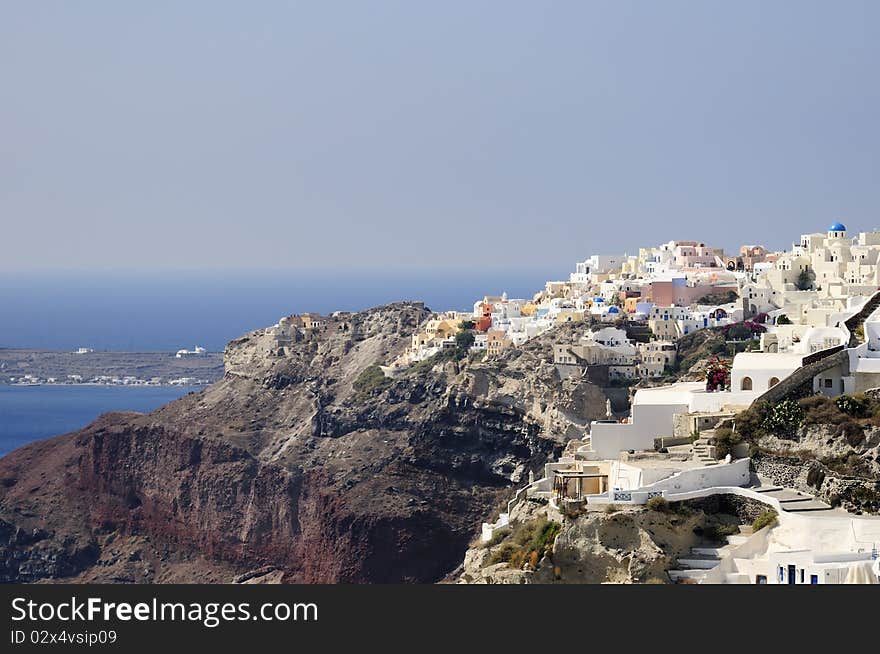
562	485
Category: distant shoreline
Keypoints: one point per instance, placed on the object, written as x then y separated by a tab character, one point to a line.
20	367
100	385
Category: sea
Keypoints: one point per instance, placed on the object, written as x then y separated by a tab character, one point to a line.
150	311
29	413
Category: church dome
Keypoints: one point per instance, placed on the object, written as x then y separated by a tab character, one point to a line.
837	227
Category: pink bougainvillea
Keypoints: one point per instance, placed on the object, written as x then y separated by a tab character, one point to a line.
717	374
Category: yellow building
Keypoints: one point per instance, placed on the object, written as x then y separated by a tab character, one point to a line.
629	304
569	315
528	309
496	341
312	321
441	328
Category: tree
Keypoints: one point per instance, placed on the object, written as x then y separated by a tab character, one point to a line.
804	280
739	332
464	339
720	297
783	320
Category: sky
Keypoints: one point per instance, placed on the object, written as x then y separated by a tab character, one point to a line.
370	135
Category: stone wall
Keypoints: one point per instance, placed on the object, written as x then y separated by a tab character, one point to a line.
744	508
681	427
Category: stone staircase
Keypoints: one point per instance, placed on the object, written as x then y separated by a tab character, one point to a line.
858	319
800	382
793	501
693	566
704	450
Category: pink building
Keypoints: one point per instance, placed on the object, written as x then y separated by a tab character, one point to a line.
676	292
696	255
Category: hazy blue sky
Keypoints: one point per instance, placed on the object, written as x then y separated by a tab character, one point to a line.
407	133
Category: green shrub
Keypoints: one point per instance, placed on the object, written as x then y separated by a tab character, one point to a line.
750	424
821	410
464	339
498	536
725	440
503	554
853	405
371	380
658	503
849	464
766	519
528	543
860	333
784	418
718	531
738	332
804	281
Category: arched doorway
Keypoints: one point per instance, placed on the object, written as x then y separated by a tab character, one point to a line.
746	384
773	381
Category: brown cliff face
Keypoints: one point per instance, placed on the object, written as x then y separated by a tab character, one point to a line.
285	467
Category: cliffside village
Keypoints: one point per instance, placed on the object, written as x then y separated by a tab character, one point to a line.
804	318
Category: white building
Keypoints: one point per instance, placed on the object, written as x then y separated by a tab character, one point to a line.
760	371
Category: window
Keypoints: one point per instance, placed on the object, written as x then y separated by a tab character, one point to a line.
814	579
773	381
802	575
781	574
828	383
761	579
746	384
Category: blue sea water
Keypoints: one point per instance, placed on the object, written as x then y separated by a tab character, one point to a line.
29	413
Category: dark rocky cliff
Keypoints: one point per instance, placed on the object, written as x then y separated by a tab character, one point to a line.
286	470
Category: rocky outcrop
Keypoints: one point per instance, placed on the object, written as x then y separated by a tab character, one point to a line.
285	471
629	545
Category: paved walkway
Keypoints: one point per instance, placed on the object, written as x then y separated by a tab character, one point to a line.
791	500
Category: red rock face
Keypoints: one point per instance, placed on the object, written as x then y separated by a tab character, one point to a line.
195	494
202	497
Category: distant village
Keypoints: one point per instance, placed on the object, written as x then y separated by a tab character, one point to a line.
106	380
85	366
